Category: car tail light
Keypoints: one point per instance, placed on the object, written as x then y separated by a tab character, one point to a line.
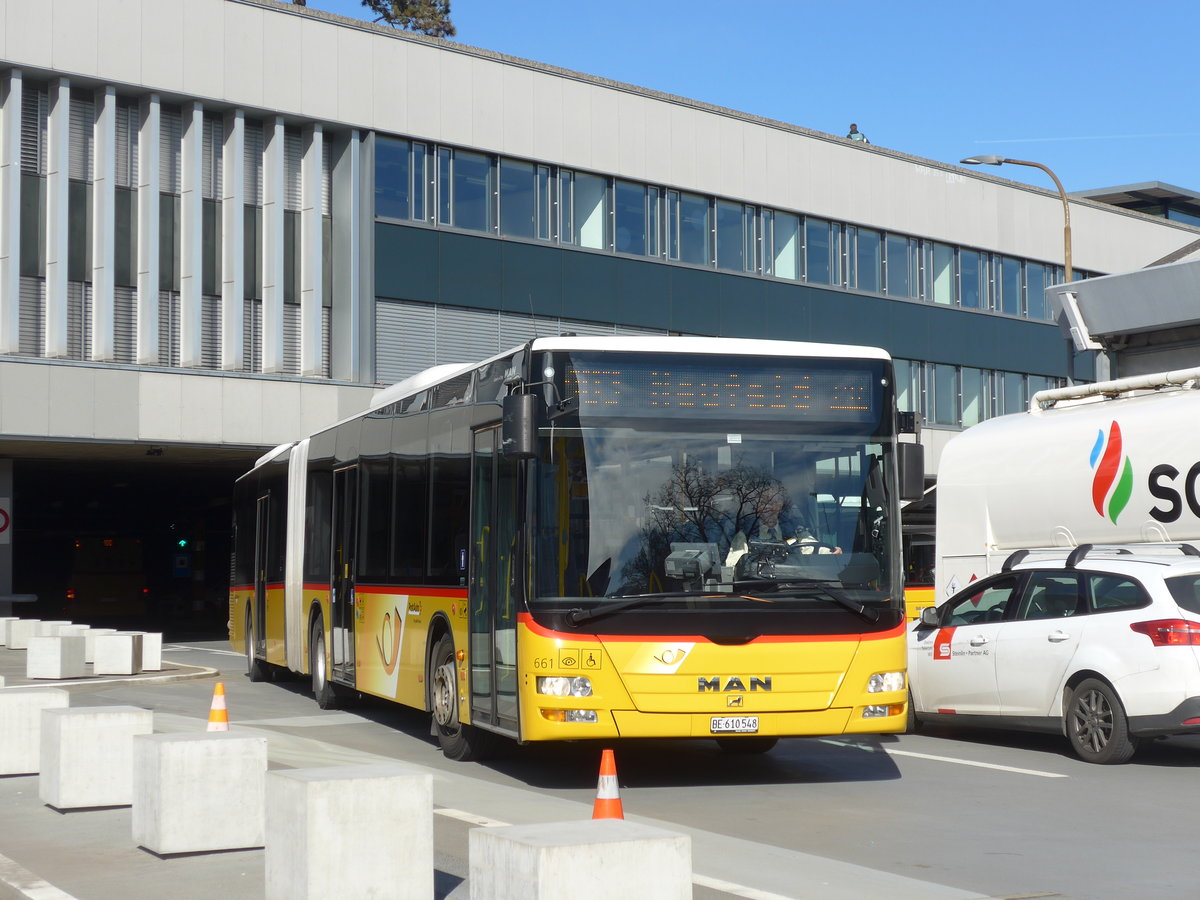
1170	632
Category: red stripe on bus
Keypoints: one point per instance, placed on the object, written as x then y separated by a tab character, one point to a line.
527	620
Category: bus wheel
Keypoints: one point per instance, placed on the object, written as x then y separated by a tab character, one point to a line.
458	741
747	744
255	668
322	689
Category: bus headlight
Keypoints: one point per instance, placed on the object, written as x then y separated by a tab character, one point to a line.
885	681
561	686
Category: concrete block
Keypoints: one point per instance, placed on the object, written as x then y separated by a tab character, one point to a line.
60	656
87	755
1	681
65	630
151	650
89	642
198	792
119	653
4	620
346	831
598	858
21	726
48	627
18	632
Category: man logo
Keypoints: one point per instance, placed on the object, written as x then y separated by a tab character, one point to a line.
732	684
735	700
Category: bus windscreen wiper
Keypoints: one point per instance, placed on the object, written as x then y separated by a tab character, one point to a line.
630	601
821	588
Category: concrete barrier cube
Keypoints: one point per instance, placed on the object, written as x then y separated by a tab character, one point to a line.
48	627
198	792
59	656
119	653
89	645
21	726
4	620
64	630
18	632
87	755
151	650
598	858
345	831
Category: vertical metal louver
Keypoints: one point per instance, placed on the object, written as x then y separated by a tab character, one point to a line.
124	325
79	320
402	339
33	316
291	339
82	151
326	177
169	148
292	154
35	105
326	342
464	335
126	163
253	131
214	145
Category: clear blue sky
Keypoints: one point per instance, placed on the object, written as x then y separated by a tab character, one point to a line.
1100	92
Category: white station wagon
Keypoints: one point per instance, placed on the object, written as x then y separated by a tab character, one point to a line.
1101	644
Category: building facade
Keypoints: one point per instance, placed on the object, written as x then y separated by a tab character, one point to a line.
223	223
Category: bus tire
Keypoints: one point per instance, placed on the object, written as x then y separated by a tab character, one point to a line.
747	745
323	690
458	741
256	669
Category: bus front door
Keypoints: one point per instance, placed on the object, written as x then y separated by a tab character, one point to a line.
494	569
341	581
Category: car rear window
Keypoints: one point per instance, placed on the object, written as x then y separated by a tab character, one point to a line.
1186	591
1111	592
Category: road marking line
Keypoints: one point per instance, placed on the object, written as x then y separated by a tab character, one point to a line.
951	759
728	887
179	647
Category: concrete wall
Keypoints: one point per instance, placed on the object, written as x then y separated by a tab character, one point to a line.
260	54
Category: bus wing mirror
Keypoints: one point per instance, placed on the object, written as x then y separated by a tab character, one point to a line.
912	471
518	429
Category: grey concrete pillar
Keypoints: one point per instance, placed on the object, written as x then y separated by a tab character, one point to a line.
11	91
148	189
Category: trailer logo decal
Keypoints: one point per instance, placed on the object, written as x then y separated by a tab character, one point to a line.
1114	473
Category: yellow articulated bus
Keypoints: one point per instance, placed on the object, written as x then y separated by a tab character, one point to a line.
590	538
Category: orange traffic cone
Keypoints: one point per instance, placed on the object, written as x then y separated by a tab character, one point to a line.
218	715
608	801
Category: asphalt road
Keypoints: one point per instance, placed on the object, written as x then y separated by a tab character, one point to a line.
959	814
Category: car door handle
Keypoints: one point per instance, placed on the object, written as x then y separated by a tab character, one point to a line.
978	641
1057	637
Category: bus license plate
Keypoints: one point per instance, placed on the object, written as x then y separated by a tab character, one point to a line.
734	725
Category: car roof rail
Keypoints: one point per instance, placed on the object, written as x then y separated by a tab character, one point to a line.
1078	554
1013	558
1189	550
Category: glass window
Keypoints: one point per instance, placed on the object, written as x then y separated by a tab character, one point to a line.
472	191
1051	595
1010	286
566	228
940	272
689	228
412	490
984	604
818	251
1013	395
375	518
445	188
545	203
731	236
590	193
629	202
900	265
908	385
972	270
518	199
421	182
393	178
945	395
1038	383
785	233
654	238
1035	288
974	396
867	260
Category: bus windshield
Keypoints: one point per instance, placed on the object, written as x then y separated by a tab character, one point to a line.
710	498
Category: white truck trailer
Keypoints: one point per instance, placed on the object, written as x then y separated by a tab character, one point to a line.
1116	462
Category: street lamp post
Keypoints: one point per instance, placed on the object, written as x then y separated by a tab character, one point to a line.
1000	160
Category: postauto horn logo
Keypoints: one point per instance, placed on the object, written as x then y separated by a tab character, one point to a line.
1113	479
